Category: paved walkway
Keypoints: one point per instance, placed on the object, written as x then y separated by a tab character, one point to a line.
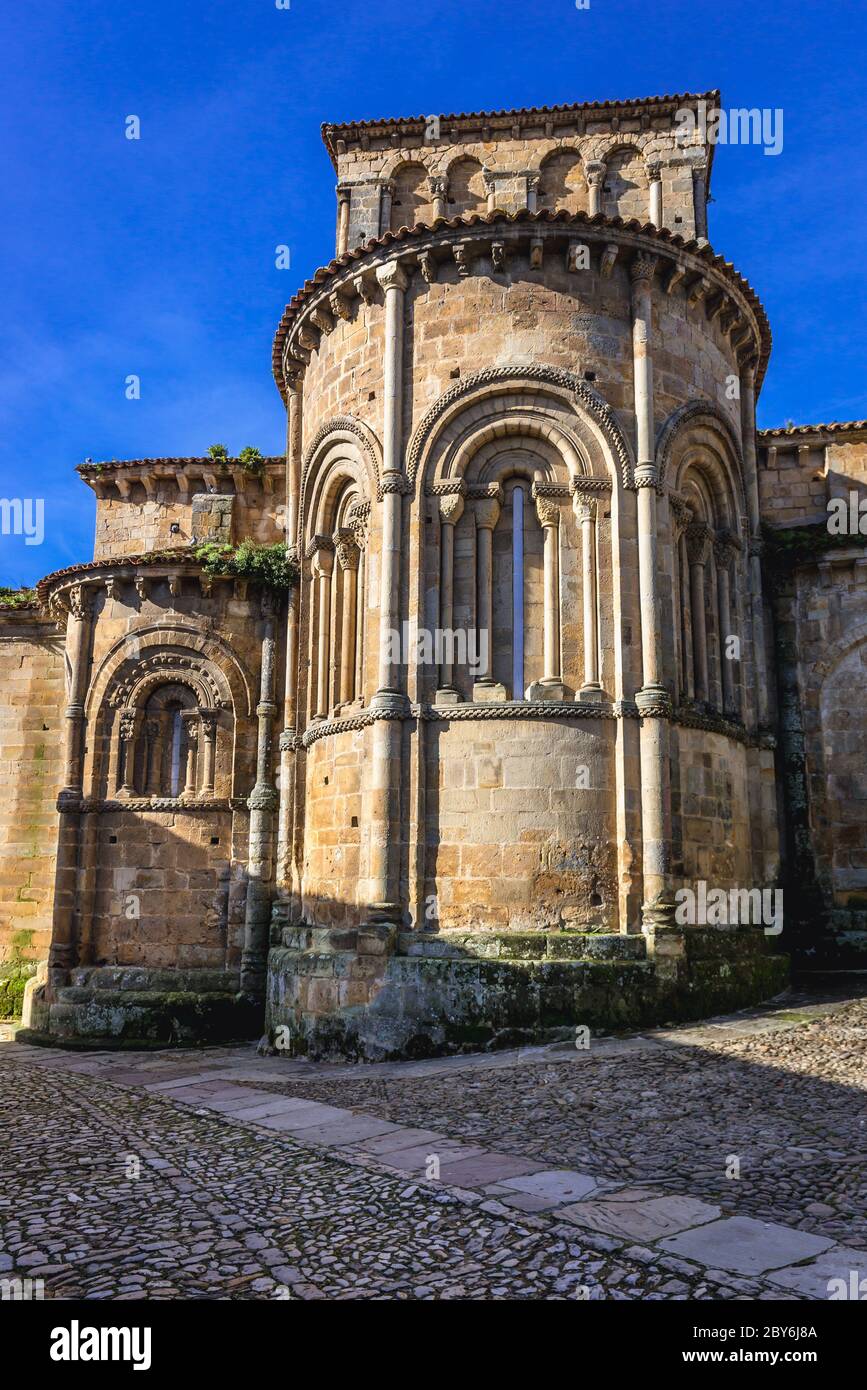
726	1161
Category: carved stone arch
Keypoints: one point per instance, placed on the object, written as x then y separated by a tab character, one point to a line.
556	191
167	641
552	398
411	194
466	184
347	441
400	160
493	460
703	428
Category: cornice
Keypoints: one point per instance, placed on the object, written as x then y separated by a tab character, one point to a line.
688	260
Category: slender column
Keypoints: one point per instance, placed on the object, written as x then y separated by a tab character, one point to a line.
653	699
359	621
645	473
697	548
533	192
286	884
343	200
699	199
486	512
585	512
209	748
724	552
154	731
293	459
654	180
389	702
551	686
439	188
191	726
386	194
126	764
78	605
451	511
322	564
347	557
595	173
757	612
261	803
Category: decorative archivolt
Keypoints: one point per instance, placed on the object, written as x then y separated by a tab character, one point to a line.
509	400
163	652
342	450
700	435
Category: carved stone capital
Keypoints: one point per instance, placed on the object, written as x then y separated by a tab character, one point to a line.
698	543
346	549
585	505
643	269
451	509
486	511
594	172
392	276
80	602
322	561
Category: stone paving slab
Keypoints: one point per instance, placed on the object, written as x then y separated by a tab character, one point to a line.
349	1130
398	1139
646	1220
484	1168
555	1186
745	1246
815	1279
304	1117
415	1158
273	1106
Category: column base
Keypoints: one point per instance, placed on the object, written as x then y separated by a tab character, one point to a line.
591	695
548	690
448	696
489	692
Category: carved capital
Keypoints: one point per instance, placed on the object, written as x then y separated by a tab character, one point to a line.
392	276
346	549
486	511
547	511
585	505
594	172
642	269
322	561
451	509
697	543
80	602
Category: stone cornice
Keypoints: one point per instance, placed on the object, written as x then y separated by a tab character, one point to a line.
115	476
473	234
354	132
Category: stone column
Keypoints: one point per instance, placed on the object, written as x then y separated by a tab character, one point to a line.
486	513
439	188
697	548
322	566
654	179
286	814
595	173
261	803
757	613
190	719
724	553
154	732
126	764
78	604
533	192
551	686
585	505
390	704
209	749
347	558
386	194
451	510
343	204
653	699
699	199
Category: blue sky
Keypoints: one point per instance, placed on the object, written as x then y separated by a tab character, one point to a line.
156	257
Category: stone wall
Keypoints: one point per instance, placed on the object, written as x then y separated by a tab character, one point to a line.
32	698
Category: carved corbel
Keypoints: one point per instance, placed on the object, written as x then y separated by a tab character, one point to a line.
365	285
609	256
673	278
697	290
428	266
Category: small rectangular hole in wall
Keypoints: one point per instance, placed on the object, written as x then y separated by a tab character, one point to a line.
112	839
215	839
325	780
354	822
371	395
455	372
589	376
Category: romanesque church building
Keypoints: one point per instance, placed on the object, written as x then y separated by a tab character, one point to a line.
559	635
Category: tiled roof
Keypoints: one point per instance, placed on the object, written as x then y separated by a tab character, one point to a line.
92	466
334	131
171	555
409	234
834	427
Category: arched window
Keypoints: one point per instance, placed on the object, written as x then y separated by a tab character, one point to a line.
467	191
625	191
562	183
337	586
409	201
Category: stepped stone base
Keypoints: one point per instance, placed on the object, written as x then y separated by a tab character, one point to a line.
119	1006
454	991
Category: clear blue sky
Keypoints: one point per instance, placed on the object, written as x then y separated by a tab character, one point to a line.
156	257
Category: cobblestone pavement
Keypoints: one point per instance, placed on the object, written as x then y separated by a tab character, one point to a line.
556	1174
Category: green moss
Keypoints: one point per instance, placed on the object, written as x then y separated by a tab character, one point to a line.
263	564
16	598
788	547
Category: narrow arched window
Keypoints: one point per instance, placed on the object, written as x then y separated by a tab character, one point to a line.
177	731
518	594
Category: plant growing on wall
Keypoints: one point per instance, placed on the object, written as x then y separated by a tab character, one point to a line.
218	451
16	598
263	564
251	460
